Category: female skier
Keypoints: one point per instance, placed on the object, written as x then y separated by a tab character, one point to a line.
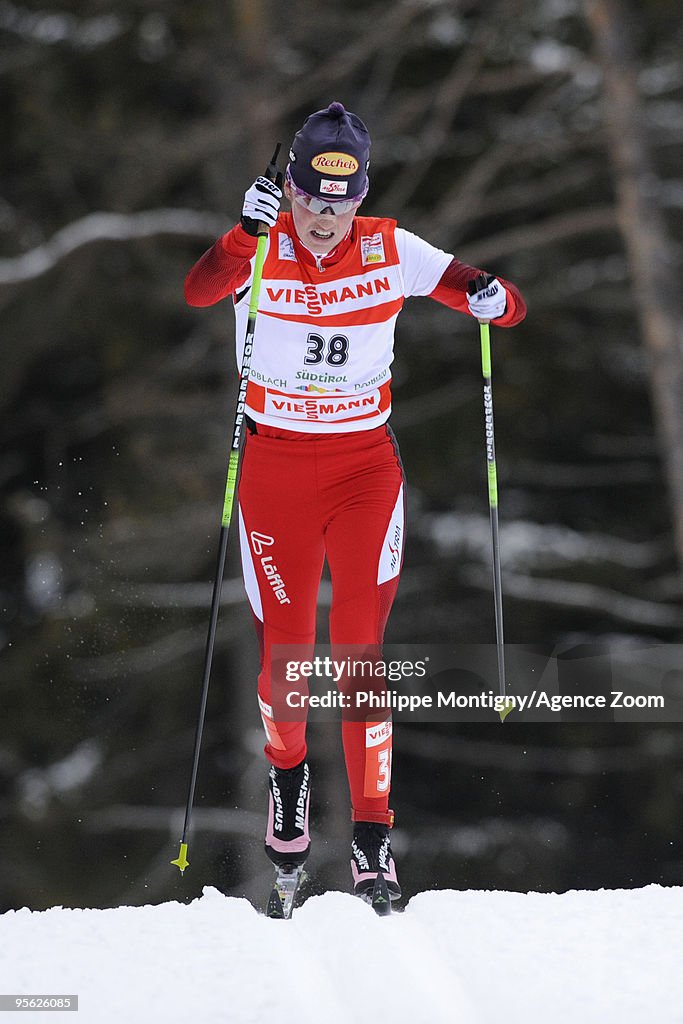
321	475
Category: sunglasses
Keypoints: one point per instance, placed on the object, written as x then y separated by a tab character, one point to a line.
337	206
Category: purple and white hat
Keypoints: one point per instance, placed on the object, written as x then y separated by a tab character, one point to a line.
330	155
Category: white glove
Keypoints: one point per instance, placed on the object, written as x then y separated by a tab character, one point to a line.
261	203
488	303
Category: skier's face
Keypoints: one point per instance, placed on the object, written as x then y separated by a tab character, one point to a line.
320	232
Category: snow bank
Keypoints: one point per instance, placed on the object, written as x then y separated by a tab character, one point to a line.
471	957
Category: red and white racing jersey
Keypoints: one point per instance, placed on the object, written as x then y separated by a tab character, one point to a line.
324	340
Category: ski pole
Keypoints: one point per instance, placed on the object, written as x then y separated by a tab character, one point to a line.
474	286
230	486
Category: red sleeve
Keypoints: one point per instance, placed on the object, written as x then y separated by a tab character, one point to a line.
452	291
222	269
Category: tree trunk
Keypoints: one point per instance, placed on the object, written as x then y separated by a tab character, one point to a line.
650	252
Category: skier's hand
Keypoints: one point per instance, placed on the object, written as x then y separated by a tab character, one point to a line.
261	204
489	302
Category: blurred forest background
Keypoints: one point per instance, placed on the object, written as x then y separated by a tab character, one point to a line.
540	139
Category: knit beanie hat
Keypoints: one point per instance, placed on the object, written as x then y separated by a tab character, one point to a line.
330	155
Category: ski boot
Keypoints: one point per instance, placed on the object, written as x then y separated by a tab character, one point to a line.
287	837
373	867
287	841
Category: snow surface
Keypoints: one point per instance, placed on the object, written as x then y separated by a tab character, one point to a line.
466	957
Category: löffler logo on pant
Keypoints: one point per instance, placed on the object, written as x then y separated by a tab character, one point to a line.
259	541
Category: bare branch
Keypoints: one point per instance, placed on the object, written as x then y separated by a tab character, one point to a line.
536	236
444	107
49	28
101	227
585	596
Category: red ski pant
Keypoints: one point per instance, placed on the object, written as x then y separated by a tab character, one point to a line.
303	498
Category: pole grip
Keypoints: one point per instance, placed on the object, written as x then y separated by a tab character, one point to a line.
274	175
475	284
